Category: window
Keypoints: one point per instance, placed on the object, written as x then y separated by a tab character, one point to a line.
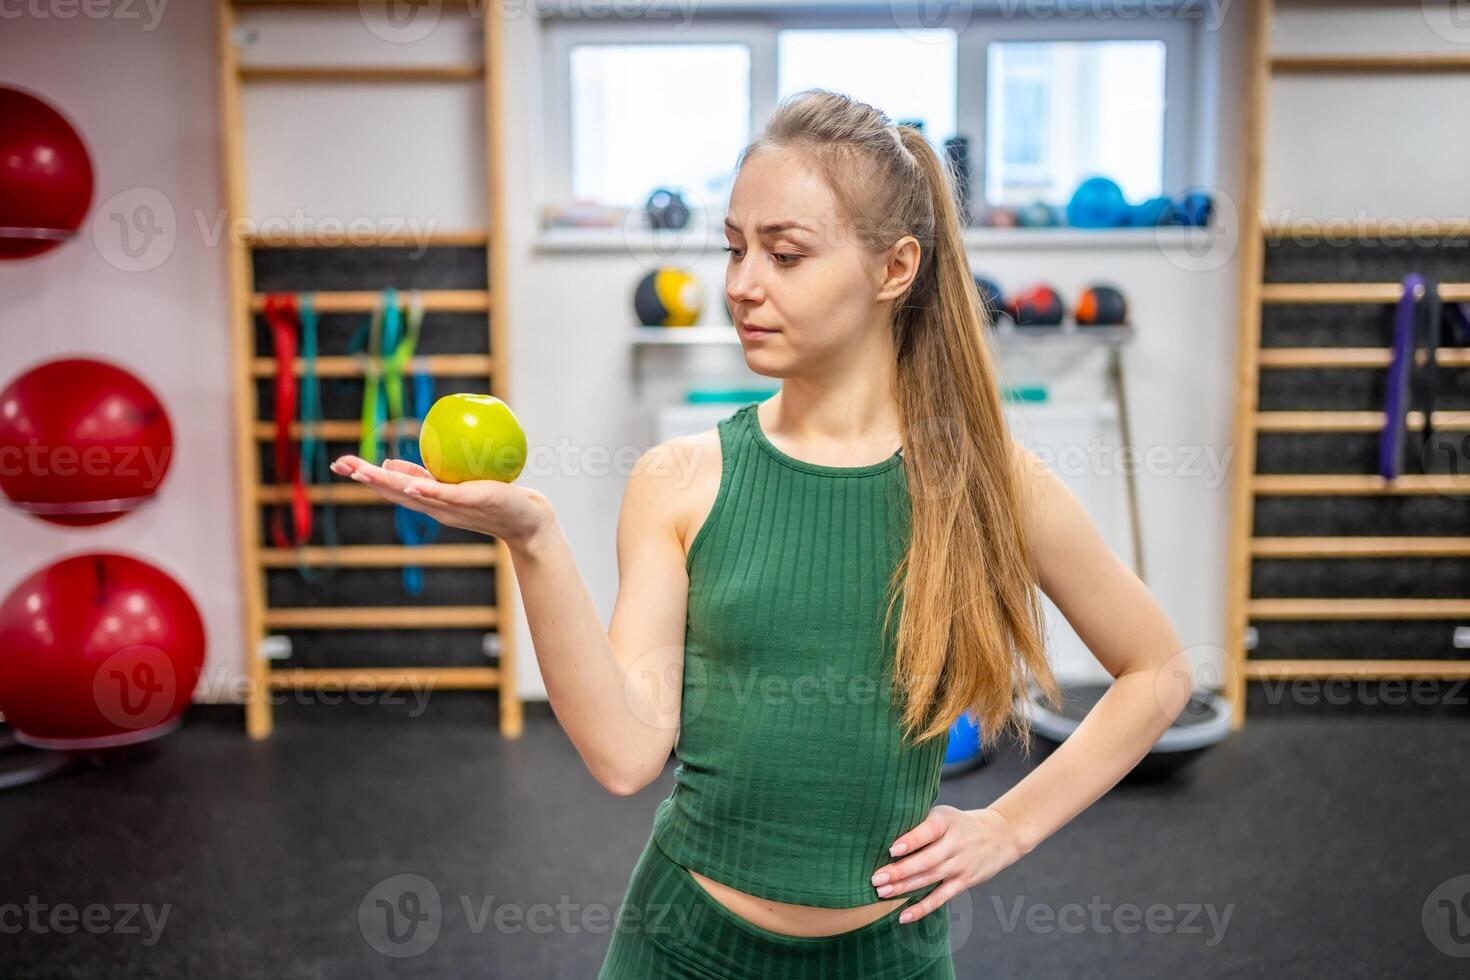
634	103
1060	111
916	81
651	115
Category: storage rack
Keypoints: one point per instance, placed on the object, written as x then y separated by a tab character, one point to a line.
251	433
1287	304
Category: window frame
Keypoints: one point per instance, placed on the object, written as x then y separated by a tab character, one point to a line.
758	32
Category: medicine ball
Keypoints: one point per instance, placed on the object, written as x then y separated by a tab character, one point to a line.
1193	208
1038	306
1101	305
1098	202
992	301
962	751
668	297
1038	214
1154	211
666	208
1001	217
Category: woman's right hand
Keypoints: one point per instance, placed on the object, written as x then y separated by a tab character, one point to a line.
513	514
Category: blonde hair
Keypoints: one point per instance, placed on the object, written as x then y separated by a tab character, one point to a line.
970	637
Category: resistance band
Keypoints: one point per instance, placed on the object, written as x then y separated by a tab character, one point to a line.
280	314
414	528
1419	324
314	463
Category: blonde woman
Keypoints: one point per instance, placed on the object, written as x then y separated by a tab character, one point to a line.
811	593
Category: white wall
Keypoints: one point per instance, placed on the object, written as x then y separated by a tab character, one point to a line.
152	126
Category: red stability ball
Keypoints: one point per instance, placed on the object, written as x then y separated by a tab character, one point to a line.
97	651
45	176
81	441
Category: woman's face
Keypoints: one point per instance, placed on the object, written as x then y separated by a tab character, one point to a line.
794	268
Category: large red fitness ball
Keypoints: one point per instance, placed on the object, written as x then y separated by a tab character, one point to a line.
45	176
97	651
81	441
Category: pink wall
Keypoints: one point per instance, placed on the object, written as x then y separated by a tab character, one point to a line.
141	87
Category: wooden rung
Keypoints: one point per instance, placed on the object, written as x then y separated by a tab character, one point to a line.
434	300
345	492
1267	609
382	617
361	73
381	556
1361	547
379	238
1355	229
1355	485
1367	669
1353	421
379	678
1409	63
1350	357
455	365
335	430
1352	292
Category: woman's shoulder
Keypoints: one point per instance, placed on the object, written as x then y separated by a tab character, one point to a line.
684	472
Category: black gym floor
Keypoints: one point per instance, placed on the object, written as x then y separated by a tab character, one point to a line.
1304	846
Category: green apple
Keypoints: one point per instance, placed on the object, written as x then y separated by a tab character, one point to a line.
472	437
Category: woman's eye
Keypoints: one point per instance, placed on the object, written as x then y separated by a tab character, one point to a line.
786	255
731	250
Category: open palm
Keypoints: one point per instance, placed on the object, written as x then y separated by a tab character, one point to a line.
502	510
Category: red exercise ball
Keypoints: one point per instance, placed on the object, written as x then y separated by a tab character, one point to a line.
97	651
81	441
45	176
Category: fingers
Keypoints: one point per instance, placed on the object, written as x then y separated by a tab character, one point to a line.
408	467
932	901
900	886
347	464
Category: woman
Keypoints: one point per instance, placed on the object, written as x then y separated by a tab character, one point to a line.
811	593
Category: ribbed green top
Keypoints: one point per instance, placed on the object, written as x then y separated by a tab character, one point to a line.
793	779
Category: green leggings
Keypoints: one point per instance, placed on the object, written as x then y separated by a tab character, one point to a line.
670	928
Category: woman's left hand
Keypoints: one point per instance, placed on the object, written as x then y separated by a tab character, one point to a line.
960	848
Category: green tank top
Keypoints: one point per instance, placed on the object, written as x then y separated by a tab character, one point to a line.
793	778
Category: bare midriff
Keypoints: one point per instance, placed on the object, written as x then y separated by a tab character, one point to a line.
793	920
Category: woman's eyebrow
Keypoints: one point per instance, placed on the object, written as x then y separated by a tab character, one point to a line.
771	227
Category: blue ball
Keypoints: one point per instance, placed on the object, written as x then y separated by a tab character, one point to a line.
1098	203
1037	214
963	752
1154	211
1193	208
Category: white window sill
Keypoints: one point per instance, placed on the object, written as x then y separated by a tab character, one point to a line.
690	243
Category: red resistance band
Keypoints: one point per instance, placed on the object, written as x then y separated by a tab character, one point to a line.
285	324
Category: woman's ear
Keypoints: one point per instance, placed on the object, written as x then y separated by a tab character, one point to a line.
900	266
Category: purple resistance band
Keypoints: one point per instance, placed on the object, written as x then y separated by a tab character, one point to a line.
1420	322
1395	402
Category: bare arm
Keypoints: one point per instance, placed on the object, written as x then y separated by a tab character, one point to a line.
616	692
1124	627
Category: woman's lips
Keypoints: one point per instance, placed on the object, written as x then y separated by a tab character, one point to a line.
754	333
